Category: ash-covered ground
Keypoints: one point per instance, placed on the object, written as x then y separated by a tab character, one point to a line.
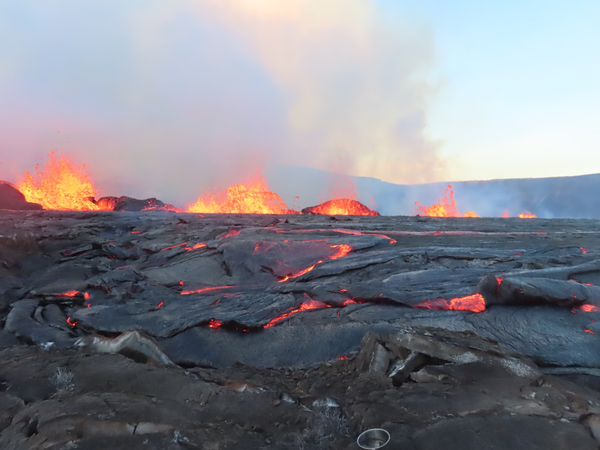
297	332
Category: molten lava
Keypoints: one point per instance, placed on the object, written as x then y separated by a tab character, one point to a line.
231	234
174	246
341	250
589	308
337	230
342	207
195	247
154	207
446	207
474	303
69	294
59	185
215	324
202	290
107	203
499	281
254	197
305	306
527	215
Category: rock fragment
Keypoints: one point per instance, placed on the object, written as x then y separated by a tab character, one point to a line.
132	344
12	198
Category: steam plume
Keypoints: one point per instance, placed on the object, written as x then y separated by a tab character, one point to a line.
170	99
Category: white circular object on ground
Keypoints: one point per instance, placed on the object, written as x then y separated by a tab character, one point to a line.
373	438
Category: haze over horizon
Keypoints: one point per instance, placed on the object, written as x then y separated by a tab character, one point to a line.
170	100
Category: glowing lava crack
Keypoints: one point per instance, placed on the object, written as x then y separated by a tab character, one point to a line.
474	303
305	306
341	251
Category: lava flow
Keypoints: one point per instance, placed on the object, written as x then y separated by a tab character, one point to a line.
474	303
59	185
341	250
206	289
337	230
68	294
152	206
254	197
305	306
446	207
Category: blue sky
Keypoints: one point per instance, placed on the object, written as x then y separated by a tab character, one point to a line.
171	99
519	90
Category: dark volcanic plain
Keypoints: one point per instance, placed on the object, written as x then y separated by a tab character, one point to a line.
240	346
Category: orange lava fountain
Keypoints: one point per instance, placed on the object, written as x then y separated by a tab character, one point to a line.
446	207
254	197
527	215
59	185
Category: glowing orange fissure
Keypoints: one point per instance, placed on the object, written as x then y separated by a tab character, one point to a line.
194	247
205	289
68	294
215	324
305	306
231	234
338	230
499	281
341	251
474	303
183	247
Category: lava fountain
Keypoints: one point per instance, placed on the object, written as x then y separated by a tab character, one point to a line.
445	207
254	197
59	185
527	215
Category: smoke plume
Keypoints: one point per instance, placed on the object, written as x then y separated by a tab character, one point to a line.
169	99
